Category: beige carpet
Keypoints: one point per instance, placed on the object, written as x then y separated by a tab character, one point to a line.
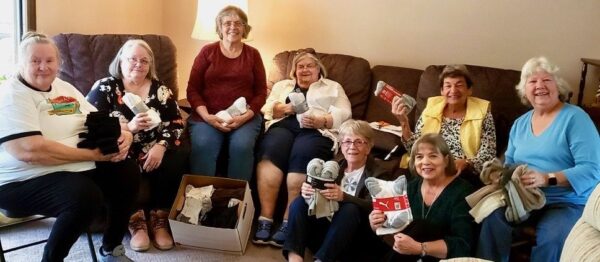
80	252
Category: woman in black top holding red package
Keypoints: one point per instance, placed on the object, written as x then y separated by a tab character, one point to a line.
441	226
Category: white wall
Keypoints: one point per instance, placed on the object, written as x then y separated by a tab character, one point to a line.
408	33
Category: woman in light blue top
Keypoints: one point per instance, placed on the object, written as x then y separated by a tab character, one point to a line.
560	144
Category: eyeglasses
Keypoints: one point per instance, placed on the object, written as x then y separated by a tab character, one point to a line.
140	61
307	66
356	143
237	24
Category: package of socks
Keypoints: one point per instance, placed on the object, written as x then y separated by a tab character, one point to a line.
387	93
190	214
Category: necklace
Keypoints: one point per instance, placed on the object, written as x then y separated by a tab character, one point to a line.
423	213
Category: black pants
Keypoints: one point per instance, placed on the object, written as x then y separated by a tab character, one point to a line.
347	237
164	181
290	147
75	199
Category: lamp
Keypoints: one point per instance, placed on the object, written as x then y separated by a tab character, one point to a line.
204	27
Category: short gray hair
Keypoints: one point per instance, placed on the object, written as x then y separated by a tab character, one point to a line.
357	127
114	69
455	71
301	54
542	64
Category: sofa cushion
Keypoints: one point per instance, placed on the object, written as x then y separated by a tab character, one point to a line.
85	58
353	73
493	84
582	243
406	80
584	239
591	213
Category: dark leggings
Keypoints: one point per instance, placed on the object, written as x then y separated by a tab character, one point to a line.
164	181
75	199
347	237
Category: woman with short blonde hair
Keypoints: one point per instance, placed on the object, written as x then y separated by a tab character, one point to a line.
346	234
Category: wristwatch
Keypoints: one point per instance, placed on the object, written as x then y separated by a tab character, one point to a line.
552	179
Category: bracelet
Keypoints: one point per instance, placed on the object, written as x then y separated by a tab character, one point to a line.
423	249
163	143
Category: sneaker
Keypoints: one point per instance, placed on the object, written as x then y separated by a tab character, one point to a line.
139	232
279	237
263	232
116	255
159	223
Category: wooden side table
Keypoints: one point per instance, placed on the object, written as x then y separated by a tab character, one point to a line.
594	113
585	61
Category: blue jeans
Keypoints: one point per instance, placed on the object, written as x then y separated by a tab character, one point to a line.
207	143
553	224
330	241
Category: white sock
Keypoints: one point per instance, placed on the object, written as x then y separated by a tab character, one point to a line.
265	218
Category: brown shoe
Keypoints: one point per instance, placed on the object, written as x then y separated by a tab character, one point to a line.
139	232
159	223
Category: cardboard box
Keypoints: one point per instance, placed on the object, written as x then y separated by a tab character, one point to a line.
211	238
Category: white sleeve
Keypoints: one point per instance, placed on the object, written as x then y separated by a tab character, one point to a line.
19	113
277	95
341	110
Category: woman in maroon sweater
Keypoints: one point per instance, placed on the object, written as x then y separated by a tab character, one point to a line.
223	72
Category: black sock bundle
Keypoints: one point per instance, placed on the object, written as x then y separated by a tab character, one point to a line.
103	133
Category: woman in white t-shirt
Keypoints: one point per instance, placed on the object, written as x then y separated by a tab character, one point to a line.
42	170
348	231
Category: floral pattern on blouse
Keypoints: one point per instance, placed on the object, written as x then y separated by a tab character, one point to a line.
450	131
107	93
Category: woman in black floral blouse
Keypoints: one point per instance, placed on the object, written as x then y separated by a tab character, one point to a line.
157	149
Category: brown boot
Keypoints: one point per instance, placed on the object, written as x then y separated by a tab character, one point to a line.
159	223
139	232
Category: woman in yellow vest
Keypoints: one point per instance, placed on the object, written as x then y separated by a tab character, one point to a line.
465	122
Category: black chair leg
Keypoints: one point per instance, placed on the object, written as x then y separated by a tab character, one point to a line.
91	244
4	251
2	259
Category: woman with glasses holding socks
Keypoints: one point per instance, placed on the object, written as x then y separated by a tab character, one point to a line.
157	150
348	230
293	139
222	72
